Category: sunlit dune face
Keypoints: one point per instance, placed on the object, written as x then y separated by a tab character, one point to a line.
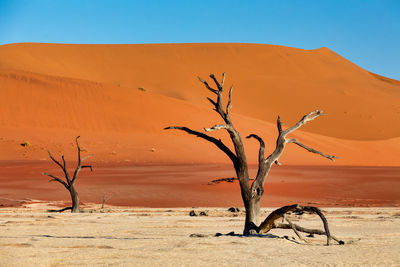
120	97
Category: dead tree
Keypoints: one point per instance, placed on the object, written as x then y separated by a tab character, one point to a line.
251	193
105	198
69	182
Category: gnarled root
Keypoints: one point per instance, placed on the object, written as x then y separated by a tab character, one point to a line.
271	222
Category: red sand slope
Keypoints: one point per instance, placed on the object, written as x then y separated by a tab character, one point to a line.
50	93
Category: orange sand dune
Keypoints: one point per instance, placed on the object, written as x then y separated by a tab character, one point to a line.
51	93
122	124
269	80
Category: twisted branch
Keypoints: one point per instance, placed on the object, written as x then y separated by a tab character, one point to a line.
271	222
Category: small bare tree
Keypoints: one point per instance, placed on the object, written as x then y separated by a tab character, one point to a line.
69	182
251	193
105	198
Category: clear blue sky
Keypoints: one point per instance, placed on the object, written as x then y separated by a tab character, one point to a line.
367	32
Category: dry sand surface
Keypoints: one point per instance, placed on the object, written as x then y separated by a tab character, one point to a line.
161	237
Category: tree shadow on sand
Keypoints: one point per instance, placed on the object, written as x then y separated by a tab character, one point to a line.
268	236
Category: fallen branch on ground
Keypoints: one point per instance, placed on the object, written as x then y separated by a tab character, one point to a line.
271	222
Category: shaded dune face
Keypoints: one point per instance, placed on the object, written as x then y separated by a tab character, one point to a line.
50	93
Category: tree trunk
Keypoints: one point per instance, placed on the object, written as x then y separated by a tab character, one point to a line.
75	199
252	207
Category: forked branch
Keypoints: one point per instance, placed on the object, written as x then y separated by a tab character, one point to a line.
79	164
62	166
208	86
281	142
220	88
218	105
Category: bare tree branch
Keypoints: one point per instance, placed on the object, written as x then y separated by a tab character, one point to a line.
220	88
262	147
324	220
64	168
87	166
294	229
79	149
213	140
269	222
207	86
64	163
281	142
309	117
218	127
229	105
309	149
55	161
306	230
223	80
279	124
213	103
55	178
79	164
